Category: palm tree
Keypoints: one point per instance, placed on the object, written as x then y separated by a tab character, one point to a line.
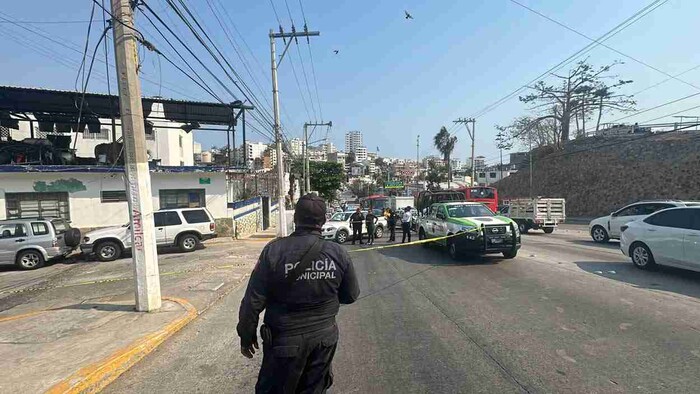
445	143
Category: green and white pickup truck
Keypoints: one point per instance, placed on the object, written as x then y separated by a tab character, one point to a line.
479	231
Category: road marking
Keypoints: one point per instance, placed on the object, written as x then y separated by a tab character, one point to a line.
562	353
218	287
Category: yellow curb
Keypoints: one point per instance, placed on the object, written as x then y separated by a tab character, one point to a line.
22	316
95	377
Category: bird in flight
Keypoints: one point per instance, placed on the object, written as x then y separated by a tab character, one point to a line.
336	51
408	16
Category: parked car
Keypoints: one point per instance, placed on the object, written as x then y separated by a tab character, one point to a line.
479	230
608	227
668	237
340	230
31	242
184	227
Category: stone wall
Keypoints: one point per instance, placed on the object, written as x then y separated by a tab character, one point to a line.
224	227
247	217
274	214
599	175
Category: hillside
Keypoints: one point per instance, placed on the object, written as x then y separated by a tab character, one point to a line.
599	175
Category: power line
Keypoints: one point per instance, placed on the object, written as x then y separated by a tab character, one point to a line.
605	45
53	22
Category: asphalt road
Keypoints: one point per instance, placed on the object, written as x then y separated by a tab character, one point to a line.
566	315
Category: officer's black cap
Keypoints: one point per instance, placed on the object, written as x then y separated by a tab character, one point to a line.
310	212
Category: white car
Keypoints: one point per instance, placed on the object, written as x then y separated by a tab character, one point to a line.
338	228
184	228
607	227
669	237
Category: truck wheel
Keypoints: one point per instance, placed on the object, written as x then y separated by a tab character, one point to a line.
548	230
510	254
523	227
421	235
188	242
29	259
599	234
379	232
341	236
108	251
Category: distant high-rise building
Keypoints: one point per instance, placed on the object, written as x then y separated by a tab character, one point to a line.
353	140
254	150
360	154
479	163
329	148
296	147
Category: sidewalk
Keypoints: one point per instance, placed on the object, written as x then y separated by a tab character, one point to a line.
81	333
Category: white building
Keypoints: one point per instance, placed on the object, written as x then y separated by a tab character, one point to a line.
93	197
479	163
456	164
491	175
360	154
296	147
329	148
353	140
254	150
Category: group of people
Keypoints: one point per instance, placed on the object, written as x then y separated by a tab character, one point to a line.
370	220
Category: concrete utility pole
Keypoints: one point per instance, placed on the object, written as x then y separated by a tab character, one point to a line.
417	157
307	173
138	178
471	133
282	221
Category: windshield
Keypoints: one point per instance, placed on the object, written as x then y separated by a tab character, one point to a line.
341	216
481	192
60	226
466	211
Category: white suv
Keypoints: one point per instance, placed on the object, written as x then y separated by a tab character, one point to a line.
184	228
338	228
668	237
607	227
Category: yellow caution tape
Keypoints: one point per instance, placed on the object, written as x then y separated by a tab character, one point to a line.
422	241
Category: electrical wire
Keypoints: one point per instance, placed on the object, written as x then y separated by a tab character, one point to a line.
301	61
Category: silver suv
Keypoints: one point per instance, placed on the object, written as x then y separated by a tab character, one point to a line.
183	227
31	242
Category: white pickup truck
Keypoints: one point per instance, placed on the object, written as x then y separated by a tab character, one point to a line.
536	213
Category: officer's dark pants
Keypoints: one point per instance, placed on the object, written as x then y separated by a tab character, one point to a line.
356	233
370	233
392	232
298	364
406	227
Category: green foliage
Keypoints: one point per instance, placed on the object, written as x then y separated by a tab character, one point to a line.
362	189
326	178
445	143
436	174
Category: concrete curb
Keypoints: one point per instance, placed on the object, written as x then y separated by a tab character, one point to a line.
95	377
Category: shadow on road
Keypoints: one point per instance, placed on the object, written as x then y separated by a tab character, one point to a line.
435	255
665	278
101	307
612	245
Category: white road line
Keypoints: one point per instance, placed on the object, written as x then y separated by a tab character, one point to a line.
218	287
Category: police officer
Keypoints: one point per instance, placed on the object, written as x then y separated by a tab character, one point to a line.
356	220
299	332
370	223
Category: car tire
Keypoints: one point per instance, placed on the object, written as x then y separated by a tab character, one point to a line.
599	234
452	250
548	230
379	232
510	254
108	251
422	236
523	227
341	236
29	259
188	243
72	237
641	256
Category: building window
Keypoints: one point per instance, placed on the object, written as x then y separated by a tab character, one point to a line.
33	205
482	175
102	135
492	175
182	198
113	196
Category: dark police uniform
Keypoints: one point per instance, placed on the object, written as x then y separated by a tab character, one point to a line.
356	220
300	315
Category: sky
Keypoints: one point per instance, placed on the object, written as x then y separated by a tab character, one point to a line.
393	79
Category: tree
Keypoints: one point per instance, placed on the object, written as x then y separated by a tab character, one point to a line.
580	90
445	143
326	178
362	189
435	175
350	158
531	132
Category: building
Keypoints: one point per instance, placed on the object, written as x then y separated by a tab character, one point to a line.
493	174
479	163
519	159
317	154
197	150
296	147
456	164
353	140
372	155
254	150
329	148
360	154
269	158
337	157
371	167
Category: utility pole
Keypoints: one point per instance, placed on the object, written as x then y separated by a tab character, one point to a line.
465	122
138	178
417	158
307	173
282	221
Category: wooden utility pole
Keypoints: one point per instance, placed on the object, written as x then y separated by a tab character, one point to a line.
282	221
138	177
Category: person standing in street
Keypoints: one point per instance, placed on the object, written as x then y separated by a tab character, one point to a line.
391	222
371	225
300	281
356	221
406	224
